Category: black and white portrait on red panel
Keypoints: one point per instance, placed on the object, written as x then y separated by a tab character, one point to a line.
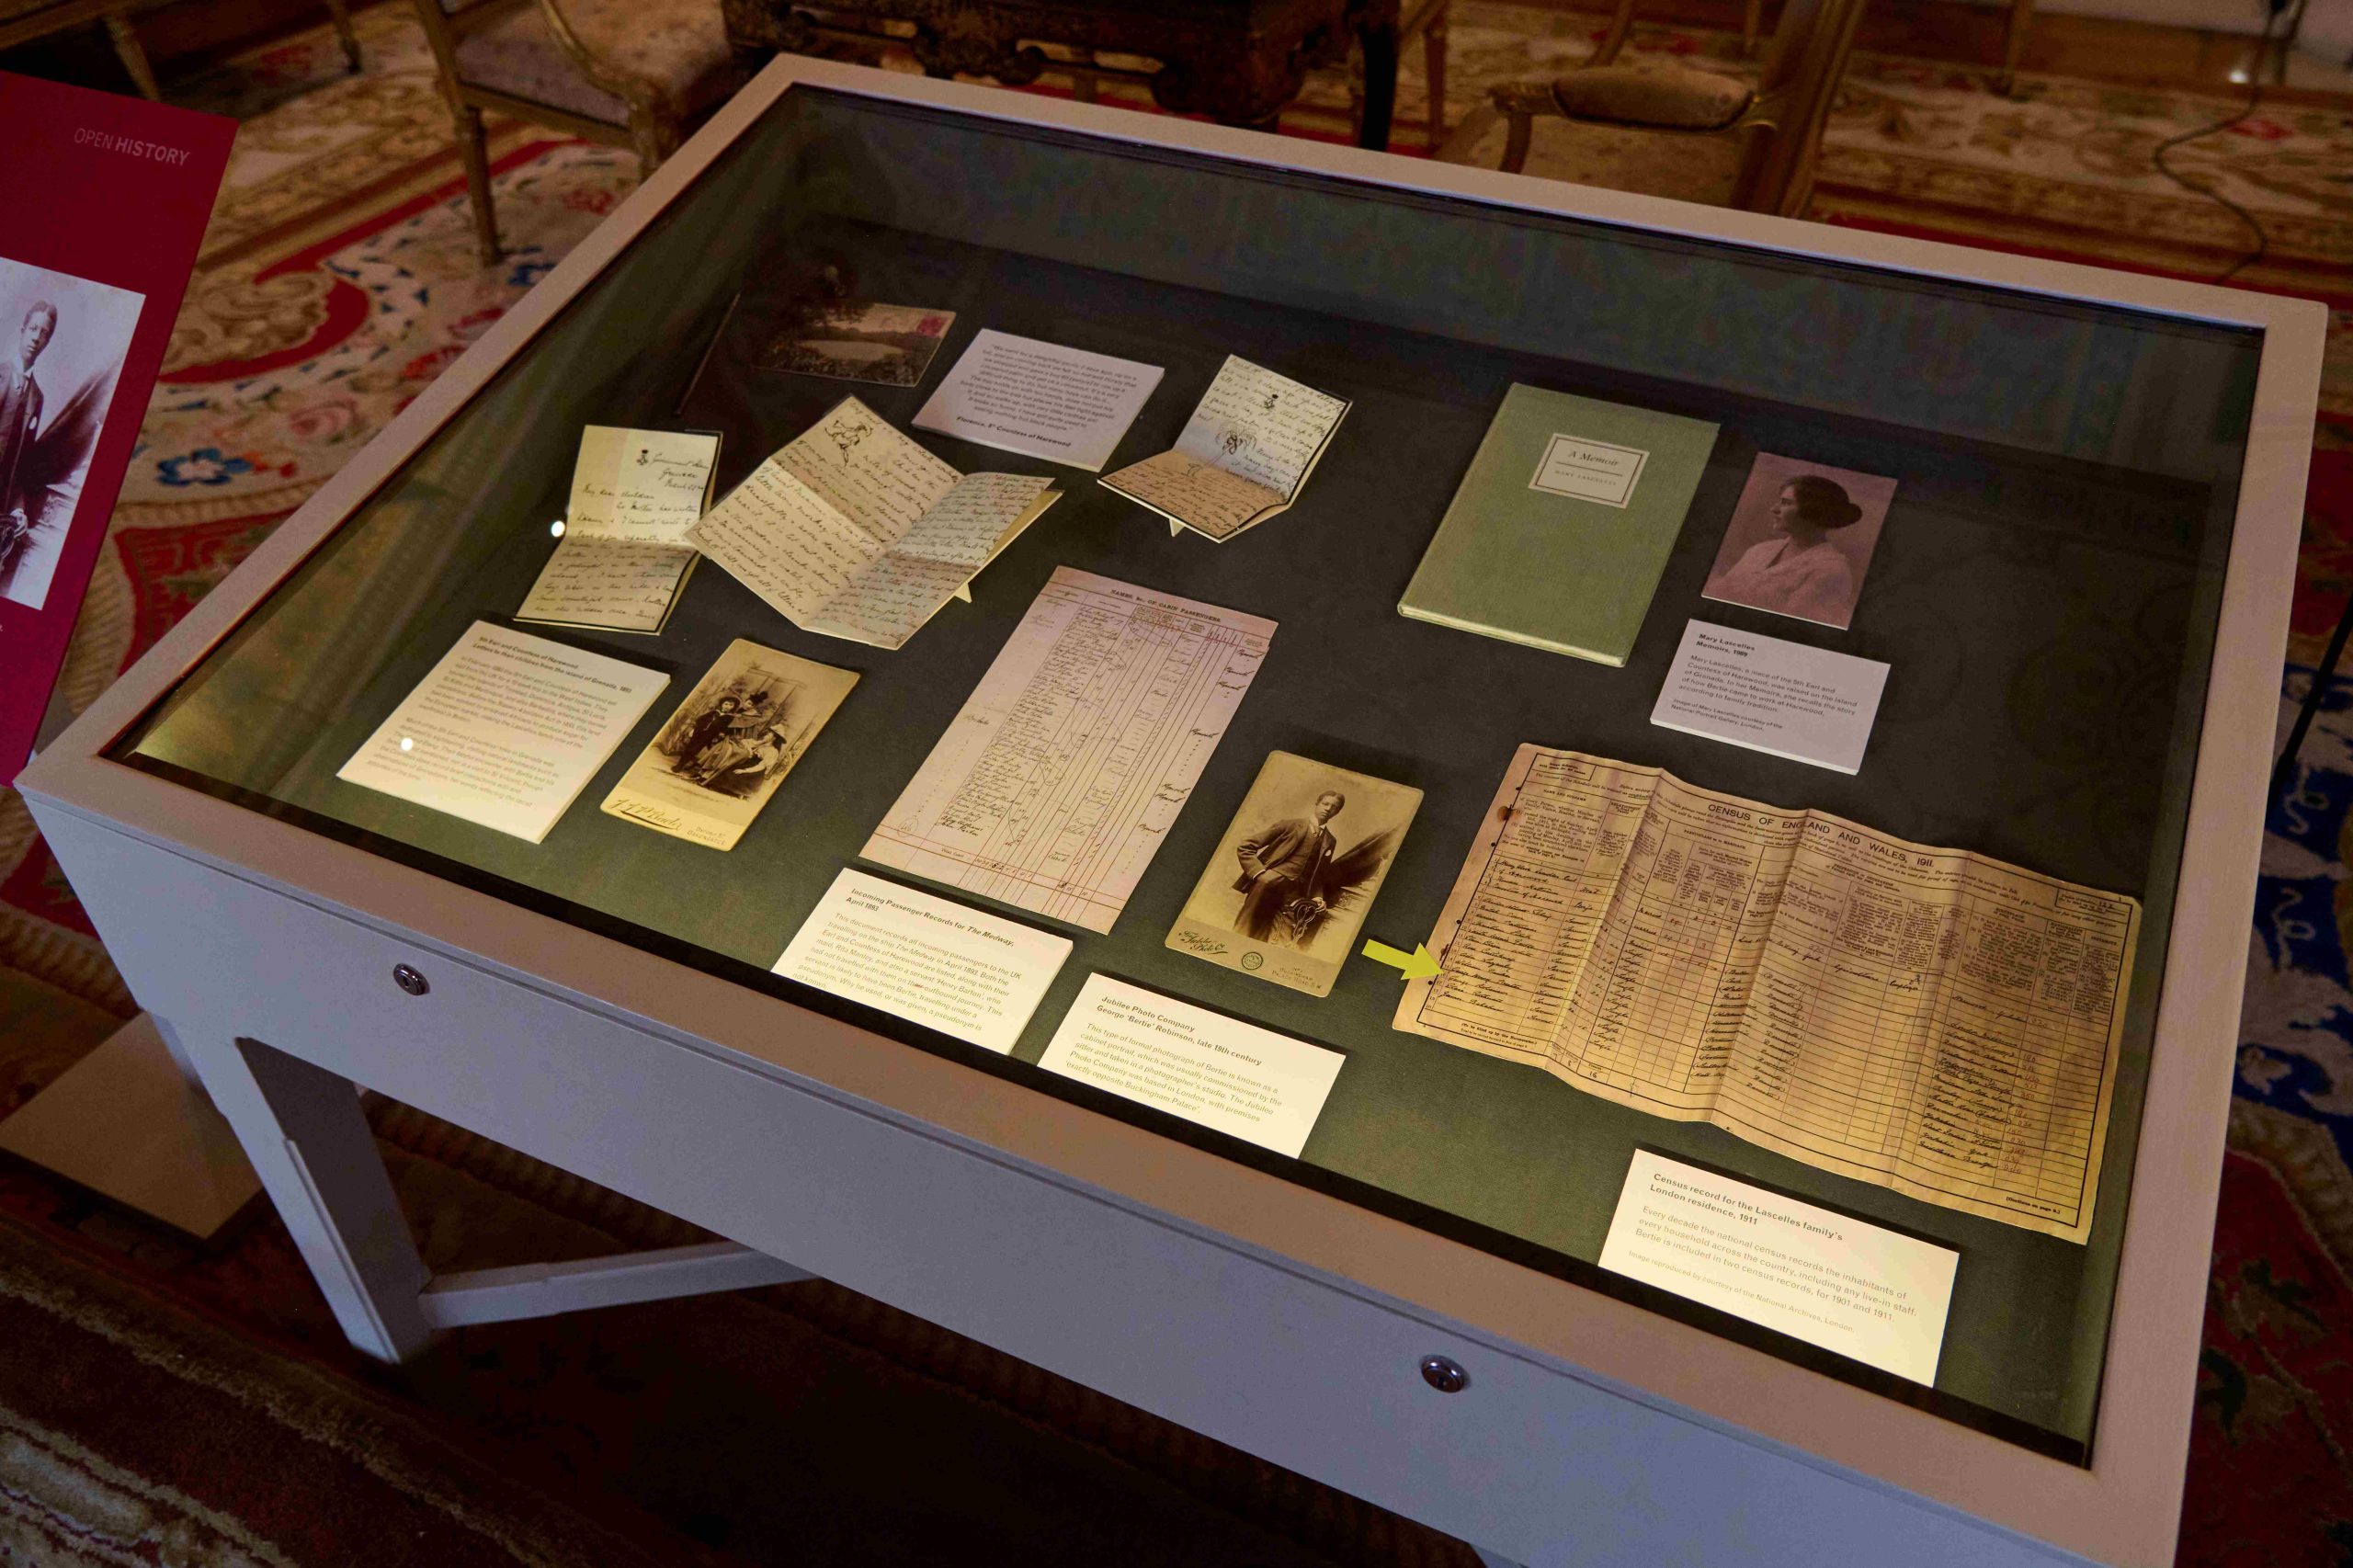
63	339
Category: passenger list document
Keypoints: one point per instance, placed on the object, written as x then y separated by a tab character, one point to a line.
622	553
1924	1020
1263	1088
505	731
1242	457
1056	780
1040	399
853	530
956	970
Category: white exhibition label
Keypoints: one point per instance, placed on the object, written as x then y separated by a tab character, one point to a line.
505	731
1040	399
1590	471
1805	704
1263	1088
927	960
1860	1289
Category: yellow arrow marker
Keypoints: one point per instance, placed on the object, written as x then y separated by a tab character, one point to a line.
1416	965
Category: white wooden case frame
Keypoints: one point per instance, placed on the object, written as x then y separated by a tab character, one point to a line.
1279	1319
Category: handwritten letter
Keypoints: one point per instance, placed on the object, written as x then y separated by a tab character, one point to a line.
623	555
1244	455
853	530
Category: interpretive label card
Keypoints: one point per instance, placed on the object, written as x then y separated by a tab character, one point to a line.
1860	1289
1041	399
1590	471
1261	1087
1805	704
505	731
976	976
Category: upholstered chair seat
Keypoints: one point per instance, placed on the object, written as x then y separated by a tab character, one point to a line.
637	74
1673	132
674	51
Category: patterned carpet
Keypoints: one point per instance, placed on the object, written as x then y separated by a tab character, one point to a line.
338	279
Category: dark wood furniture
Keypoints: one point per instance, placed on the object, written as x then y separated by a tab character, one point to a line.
1238	62
24	20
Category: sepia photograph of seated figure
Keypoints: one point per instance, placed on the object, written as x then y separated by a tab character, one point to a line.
1800	540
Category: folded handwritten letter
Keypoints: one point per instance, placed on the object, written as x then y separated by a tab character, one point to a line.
624	553
853	530
1243	457
1924	1020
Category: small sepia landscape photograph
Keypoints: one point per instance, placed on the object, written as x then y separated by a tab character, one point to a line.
1800	540
62	340
852	340
1289	885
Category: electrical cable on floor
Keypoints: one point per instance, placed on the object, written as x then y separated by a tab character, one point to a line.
2254	99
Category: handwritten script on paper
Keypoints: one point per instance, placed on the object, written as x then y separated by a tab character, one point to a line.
1040	399
623	554
1924	1020
1058	778
1244	455
505	730
853	530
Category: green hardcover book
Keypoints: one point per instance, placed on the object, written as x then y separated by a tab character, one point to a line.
1559	531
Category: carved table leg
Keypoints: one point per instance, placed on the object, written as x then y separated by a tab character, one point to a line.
1378	42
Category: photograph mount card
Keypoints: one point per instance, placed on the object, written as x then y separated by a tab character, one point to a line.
1295	874
720	757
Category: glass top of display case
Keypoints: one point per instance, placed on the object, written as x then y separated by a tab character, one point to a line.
2050	483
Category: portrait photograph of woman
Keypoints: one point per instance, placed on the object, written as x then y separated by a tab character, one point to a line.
1800	539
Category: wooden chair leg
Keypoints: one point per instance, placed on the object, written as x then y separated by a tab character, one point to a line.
2013	46
133	56
340	14
1751	24
1434	71
1519	129
1380	45
475	156
1621	23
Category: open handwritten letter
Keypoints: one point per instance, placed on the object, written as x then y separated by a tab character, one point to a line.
1924	1020
1055	781
1242	457
623	555
853	530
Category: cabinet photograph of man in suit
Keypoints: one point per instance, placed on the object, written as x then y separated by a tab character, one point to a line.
1289	887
